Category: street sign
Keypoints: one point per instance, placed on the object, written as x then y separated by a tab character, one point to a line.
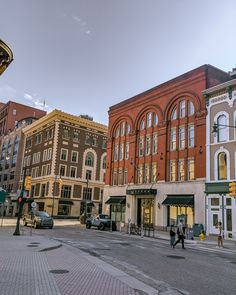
33	205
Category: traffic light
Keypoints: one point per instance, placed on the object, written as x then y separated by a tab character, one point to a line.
60	184
20	200
27	184
232	189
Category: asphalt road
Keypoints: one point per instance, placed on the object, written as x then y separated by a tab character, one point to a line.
196	270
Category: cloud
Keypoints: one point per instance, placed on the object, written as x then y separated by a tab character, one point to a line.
7	92
37	102
83	24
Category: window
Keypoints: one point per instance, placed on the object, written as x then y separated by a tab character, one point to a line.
43	171
141	146
173	139
62	170
66	191
87	194
121	151
181	137
125	176
182	109
181	170
89	161
120	177
38	138
155	119
122	131
191	109
140	174
28	143
73	171
49	154
104	163
64	153
116	152
126	150
74	156
95	141
76	136
45	153
104	144
149	120
154	144
148	145
146	174
191	169
48	169
127	129
172	171
114	177
88	174
14	112
174	114
222	130
117	131
154	173
65	134
142	125
43	190
222	166
191	136
49	134
87	139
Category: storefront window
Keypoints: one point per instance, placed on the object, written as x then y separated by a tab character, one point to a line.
177	213
118	213
215	202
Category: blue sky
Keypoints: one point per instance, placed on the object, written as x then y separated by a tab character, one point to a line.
82	56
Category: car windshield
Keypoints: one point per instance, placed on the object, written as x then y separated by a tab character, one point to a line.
42	214
104	216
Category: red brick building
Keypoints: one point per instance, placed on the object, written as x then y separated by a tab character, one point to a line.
12	112
156	152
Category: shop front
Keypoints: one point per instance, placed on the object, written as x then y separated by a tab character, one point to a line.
117	208
180	207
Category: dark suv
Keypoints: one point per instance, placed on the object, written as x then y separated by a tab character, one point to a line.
38	219
102	221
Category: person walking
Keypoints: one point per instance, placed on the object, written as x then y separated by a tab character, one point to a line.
172	236
180	233
220	235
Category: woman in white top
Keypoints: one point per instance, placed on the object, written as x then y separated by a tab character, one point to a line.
220	235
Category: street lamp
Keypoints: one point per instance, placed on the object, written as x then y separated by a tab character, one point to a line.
215	127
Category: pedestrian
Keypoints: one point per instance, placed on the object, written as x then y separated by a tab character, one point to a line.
180	233
220	235
172	236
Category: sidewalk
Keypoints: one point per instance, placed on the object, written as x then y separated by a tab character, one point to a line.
41	266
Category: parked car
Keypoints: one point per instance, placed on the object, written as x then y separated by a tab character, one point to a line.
101	221
38	219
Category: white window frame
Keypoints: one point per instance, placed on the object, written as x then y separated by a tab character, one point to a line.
182	109
173	139
191	140
73	167
182	137
75	152
62	153
227	128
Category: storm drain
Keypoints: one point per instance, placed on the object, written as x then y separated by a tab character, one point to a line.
32	245
175	257
59	271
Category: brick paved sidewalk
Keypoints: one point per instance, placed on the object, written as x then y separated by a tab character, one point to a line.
26	263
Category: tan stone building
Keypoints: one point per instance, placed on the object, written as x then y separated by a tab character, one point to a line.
66	158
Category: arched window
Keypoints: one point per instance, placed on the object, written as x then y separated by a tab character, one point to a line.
222	129
155	119
118	131
174	114
142	125
89	160
222	166
104	163
182	112
149	120
191	109
127	129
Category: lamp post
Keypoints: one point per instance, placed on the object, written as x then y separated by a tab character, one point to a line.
215	127
20	204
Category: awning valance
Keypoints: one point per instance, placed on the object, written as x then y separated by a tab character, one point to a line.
179	201
116	200
66	202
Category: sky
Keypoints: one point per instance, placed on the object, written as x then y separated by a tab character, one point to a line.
83	56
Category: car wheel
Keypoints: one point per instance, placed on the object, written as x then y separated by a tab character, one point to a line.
101	226
24	223
50	227
35	225
88	225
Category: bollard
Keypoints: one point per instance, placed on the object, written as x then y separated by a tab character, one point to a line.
142	233
129	224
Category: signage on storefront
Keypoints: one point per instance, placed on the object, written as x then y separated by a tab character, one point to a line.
144	191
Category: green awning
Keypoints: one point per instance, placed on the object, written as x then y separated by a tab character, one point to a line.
116	200
179	201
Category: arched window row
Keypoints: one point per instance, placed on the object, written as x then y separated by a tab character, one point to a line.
150	119
122	129
183	109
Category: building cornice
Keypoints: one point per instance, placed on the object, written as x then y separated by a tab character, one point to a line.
57	115
6	56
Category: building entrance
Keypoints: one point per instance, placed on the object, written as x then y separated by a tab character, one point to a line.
145	214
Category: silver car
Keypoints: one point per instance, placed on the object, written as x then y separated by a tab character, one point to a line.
38	219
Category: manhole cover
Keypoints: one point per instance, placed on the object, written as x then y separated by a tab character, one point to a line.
175	257
59	271
35	243
32	245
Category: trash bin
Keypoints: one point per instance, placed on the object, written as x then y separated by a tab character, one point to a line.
197	229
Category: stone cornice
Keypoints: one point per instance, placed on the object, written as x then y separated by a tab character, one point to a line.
6	56
57	115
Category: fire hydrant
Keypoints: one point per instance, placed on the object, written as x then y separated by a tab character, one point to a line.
202	236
